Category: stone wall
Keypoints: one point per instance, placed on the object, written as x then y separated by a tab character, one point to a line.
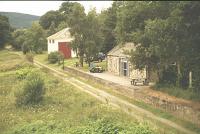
181	110
113	65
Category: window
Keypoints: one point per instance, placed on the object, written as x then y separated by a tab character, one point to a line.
52	41
49	41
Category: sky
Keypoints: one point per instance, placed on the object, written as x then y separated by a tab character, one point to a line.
41	7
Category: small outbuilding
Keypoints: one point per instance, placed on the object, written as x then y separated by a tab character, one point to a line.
60	41
118	62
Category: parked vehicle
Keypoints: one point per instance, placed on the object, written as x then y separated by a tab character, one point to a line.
96	69
98	57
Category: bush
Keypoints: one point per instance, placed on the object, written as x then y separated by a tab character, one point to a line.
32	91
55	57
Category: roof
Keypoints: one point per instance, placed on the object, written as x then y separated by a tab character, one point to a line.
120	50
63	34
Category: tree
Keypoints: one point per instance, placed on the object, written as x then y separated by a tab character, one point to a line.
108	20
18	38
78	29
52	29
5	35
50	17
93	36
144	23
167	39
131	17
62	25
66	9
190	14
35	39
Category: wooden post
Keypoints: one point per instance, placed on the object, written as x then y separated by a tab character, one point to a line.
63	63
190	79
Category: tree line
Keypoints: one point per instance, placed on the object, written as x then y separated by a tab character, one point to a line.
166	35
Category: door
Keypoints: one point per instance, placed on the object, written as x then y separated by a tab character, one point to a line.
125	68
64	48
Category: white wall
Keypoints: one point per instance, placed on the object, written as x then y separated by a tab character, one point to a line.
52	46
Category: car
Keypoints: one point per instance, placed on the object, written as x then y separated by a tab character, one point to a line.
98	57
97	69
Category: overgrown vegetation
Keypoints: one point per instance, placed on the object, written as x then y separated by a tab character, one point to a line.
187	93
63	109
32	91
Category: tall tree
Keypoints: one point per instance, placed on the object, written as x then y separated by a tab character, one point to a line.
93	36
50	17
77	20
18	38
108	19
5	34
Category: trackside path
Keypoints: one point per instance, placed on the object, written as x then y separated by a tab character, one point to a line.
105	97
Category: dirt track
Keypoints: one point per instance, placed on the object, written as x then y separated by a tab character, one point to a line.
105	97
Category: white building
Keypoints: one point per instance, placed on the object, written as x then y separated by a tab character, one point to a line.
60	41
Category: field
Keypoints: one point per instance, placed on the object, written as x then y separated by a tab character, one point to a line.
63	110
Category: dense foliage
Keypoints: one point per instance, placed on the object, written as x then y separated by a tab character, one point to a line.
167	38
30	40
5	34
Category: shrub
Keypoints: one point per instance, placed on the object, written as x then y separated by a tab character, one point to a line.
32	91
54	57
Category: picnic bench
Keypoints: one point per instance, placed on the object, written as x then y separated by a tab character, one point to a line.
139	80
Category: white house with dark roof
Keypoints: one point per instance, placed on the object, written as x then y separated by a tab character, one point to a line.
60	41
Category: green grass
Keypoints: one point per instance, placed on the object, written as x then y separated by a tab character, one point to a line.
11	61
64	109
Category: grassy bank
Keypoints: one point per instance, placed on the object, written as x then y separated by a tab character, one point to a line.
63	110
